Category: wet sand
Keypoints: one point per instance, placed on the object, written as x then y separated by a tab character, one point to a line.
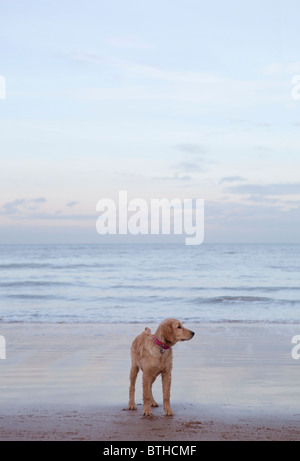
70	382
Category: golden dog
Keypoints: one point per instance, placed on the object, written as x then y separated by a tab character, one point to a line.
153	355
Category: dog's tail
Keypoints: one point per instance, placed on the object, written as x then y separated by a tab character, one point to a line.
148	331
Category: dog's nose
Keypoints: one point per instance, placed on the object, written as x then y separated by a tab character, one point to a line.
192	333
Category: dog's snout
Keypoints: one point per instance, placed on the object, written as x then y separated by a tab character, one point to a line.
192	333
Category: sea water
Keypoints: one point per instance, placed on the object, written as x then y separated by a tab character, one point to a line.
135	283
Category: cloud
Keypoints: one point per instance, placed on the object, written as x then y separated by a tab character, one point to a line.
193	164
73	203
262	124
266	189
128	42
38	200
191	148
231	179
85	56
253	222
262	148
188	167
261	199
10	208
139	69
15	207
174	177
29	209
57	216
209	89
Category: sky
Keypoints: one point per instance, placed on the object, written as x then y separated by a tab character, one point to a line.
162	99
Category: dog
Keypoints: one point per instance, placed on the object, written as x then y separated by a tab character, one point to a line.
153	355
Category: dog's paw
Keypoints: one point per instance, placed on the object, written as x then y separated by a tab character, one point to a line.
147	412
169	412
132	406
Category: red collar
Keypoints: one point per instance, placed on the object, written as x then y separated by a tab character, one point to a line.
162	345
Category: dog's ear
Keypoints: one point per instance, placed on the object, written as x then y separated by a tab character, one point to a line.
168	332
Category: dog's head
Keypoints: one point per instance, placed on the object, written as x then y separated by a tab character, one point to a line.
172	330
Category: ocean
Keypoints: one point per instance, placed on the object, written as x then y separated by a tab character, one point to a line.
135	283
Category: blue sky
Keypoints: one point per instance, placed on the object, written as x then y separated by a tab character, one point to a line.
164	99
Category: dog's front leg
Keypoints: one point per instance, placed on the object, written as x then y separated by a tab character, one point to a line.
166	384
147	394
133	375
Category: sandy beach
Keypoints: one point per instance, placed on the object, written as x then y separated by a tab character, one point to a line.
70	382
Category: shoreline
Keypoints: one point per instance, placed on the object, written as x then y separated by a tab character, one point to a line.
70	382
113	423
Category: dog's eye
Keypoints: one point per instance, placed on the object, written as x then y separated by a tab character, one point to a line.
179	326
